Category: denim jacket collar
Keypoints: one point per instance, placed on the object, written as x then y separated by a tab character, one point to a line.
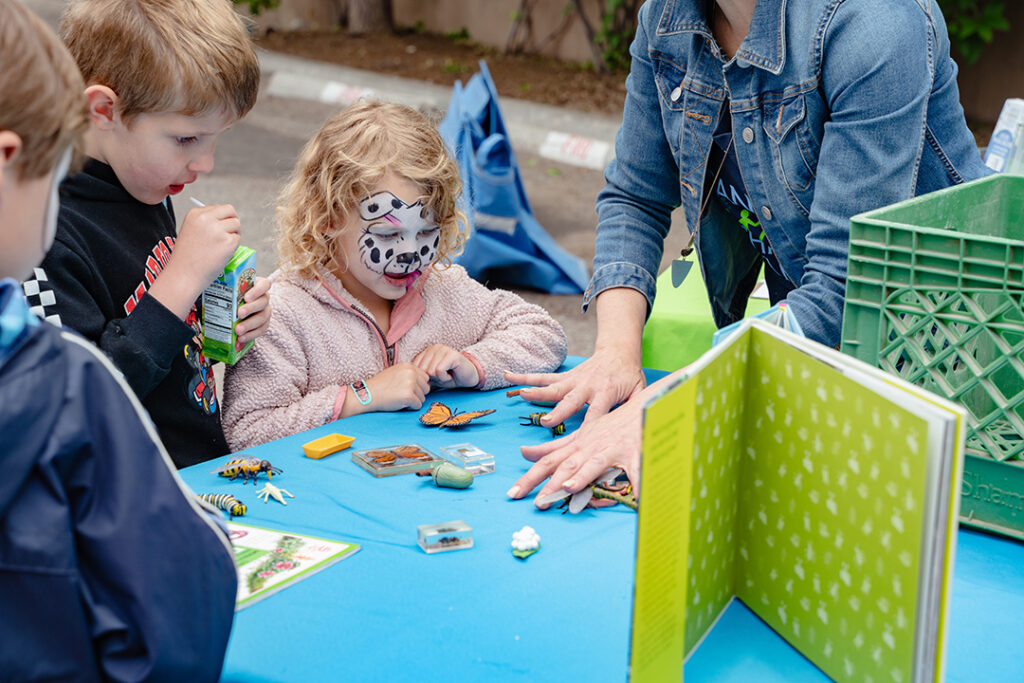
765	44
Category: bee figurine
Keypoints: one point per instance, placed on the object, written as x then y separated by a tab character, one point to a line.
224	501
534	419
245	468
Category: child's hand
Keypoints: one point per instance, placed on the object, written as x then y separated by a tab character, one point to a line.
447	367
206	241
403	385
254	314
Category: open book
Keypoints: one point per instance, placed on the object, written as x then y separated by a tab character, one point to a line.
816	489
270	560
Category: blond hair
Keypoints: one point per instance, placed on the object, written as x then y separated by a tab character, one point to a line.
42	100
175	56
341	165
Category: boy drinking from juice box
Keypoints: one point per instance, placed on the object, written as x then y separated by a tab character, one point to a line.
163	80
109	569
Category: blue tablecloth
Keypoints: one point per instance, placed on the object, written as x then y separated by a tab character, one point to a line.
393	613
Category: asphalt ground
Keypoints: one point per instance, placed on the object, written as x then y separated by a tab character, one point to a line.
560	152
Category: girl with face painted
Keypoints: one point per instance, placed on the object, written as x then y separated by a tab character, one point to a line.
369	312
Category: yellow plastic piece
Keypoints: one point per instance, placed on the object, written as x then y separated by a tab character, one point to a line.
326	445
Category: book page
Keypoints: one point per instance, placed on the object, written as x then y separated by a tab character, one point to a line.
832	506
269	560
659	597
715	495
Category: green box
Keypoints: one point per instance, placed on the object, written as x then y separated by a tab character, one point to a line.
934	294
220	307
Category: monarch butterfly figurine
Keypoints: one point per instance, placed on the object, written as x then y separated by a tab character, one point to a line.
224	501
245	468
440	415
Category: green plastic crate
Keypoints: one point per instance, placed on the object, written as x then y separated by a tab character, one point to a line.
934	294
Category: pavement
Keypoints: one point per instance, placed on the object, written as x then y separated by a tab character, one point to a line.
561	153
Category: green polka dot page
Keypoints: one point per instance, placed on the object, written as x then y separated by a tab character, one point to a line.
714	500
807	503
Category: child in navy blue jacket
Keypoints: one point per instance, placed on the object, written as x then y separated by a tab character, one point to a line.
109	569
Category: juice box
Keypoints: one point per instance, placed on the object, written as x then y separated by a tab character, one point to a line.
220	307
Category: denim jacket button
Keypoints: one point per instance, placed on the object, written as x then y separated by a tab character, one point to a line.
766	213
748	135
675	94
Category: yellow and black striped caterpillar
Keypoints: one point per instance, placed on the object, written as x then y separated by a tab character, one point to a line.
534	419
225	501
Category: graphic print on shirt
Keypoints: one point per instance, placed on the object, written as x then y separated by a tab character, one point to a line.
398	238
201	388
155	264
748	220
40	297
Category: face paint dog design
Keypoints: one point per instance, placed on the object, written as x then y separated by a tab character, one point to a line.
398	242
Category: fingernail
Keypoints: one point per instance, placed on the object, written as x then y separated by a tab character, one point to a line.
568	484
513	492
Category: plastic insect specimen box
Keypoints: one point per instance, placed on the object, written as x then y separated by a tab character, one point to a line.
470	458
392	460
437	538
326	445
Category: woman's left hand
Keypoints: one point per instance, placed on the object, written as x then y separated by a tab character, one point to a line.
574	461
254	314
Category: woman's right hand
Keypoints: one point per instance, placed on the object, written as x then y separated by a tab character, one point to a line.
403	385
601	382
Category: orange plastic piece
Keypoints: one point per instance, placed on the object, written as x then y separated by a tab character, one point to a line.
325	445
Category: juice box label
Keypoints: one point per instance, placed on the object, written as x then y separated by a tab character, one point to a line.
221	301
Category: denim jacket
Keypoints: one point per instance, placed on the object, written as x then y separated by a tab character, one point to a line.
838	107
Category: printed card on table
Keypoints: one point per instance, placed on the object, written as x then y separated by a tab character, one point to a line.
269	560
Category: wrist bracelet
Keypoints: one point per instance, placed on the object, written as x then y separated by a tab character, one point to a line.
362	391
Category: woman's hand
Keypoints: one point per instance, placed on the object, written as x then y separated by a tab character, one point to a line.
573	462
601	382
610	376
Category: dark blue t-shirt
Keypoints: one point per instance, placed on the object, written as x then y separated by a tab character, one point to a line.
731	191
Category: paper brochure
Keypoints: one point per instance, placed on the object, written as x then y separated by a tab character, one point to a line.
814	488
269	560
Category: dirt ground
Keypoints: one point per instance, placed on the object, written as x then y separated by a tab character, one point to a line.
441	60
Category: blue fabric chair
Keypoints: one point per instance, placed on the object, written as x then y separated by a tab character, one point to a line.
506	246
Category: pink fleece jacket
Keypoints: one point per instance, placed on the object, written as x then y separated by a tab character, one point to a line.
321	339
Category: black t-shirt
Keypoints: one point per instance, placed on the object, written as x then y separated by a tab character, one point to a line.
731	192
109	249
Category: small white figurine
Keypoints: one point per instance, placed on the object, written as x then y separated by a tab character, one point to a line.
269	490
525	542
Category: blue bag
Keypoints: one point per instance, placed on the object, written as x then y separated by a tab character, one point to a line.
506	246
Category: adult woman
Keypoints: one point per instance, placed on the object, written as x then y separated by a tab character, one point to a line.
771	122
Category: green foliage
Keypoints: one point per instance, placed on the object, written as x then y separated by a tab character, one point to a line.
257	6
618	26
972	24
460	36
453	67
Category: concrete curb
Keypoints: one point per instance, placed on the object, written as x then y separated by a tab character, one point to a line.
564	135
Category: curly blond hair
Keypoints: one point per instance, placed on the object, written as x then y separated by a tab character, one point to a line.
343	163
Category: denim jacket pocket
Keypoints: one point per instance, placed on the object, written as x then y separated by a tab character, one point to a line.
669	77
794	149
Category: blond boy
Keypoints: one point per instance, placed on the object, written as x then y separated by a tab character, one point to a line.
163	80
109	570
